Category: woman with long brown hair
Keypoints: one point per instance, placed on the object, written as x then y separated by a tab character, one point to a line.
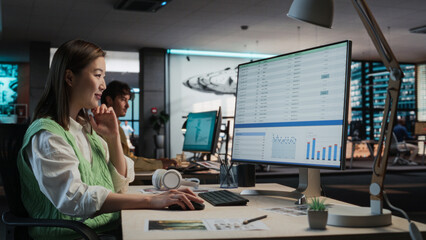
67	171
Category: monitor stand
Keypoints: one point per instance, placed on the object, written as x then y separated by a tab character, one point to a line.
309	186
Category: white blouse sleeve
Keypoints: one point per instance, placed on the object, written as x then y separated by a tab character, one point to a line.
55	167
121	183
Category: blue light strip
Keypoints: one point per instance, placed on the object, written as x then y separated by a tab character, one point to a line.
290	124
218	54
250	134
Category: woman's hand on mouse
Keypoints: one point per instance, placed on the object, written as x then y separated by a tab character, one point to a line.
181	197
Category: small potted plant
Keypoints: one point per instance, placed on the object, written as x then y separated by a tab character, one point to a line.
317	213
158	120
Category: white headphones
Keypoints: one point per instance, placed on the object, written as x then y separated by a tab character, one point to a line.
171	179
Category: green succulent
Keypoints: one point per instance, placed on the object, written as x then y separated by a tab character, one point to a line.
317	204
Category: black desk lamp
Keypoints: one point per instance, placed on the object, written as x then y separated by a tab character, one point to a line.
320	12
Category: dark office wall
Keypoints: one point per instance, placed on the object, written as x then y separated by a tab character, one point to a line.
14	52
39	68
152	84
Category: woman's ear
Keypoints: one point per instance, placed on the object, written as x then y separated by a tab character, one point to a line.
69	77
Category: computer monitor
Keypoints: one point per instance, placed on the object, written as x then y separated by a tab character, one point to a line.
202	132
420	129
291	110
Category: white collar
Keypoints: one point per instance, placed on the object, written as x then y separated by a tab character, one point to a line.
78	126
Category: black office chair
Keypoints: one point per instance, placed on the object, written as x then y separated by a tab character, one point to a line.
399	150
11	137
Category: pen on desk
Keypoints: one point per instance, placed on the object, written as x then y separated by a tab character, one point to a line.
254	219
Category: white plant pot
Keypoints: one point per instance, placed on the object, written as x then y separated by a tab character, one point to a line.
159	141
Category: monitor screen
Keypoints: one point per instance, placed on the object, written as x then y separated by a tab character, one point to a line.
9	109
202	131
292	109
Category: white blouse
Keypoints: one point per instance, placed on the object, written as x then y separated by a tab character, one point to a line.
55	166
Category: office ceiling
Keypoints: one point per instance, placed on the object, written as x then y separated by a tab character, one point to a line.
213	25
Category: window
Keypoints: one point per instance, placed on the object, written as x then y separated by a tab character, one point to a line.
132	115
368	94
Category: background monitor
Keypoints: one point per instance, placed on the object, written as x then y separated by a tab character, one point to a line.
9	93
292	109
420	129
202	132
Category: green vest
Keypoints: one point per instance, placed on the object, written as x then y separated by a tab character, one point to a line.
39	206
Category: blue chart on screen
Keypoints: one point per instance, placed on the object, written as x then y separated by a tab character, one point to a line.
283	147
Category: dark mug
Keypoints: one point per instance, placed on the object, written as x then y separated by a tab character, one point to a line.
246	175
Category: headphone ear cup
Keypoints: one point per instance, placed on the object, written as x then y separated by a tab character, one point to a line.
157	178
171	179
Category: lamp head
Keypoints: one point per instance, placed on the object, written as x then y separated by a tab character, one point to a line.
318	12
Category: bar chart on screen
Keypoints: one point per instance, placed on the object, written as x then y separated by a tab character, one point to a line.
315	152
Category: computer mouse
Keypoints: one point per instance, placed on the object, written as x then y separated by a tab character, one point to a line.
171	167
180	169
197	206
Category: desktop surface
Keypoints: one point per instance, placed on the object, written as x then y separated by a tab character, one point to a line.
280	226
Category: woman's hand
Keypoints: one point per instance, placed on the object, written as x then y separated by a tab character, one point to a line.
104	121
182	197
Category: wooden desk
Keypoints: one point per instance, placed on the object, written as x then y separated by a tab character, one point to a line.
207	176
280	226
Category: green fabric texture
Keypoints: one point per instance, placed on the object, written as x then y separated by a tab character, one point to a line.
95	174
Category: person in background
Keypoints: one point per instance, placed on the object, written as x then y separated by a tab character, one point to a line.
127	131
66	170
117	96
402	135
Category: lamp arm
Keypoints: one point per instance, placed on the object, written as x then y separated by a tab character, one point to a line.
391	103
376	34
